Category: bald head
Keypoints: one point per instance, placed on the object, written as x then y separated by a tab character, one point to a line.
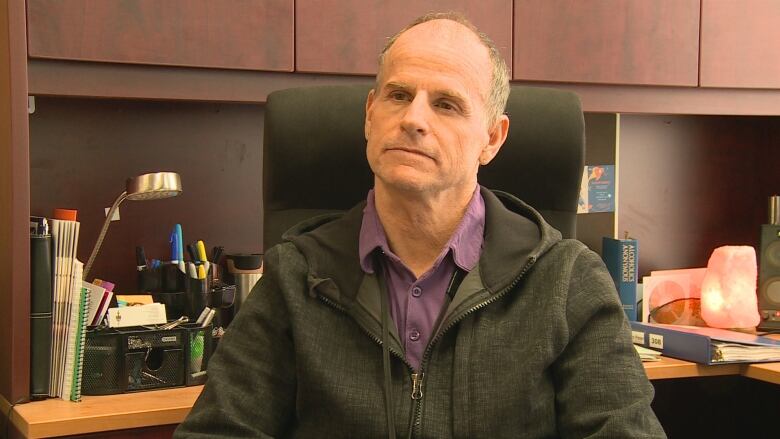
451	31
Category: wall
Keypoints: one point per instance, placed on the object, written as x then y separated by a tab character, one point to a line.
83	150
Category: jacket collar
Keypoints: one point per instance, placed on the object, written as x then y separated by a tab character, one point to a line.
515	236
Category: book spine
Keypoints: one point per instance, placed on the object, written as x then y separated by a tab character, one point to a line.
621	257
676	344
40	315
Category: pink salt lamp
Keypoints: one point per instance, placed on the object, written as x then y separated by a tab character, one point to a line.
728	291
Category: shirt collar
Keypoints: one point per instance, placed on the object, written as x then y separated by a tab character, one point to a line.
465	243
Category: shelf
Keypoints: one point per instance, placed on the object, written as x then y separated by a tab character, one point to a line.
55	417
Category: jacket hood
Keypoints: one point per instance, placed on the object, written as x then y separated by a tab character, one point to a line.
514	231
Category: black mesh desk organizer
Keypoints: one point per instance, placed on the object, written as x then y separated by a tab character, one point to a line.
135	359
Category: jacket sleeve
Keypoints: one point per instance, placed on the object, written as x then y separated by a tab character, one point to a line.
251	388
601	386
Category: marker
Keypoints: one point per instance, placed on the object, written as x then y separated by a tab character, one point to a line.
192	271
140	258
177	248
202	256
193	255
216	253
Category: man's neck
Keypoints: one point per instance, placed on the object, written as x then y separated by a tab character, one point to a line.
418	226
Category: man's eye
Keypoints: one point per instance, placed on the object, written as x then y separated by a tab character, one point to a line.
399	96
445	105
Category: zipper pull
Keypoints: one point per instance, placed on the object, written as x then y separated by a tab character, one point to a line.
417	382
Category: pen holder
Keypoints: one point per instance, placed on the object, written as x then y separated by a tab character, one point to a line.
181	294
133	359
223	298
198	352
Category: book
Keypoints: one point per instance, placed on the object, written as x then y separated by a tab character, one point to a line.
621	257
40	307
705	345
76	334
65	235
99	300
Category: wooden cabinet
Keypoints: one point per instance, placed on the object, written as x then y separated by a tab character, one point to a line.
241	34
740	43
607	41
346	36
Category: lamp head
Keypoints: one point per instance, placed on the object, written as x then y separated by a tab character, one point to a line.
154	186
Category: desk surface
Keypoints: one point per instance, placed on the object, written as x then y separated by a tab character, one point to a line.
54	417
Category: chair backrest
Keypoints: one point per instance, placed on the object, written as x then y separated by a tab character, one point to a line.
314	158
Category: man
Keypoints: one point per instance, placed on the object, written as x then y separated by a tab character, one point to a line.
436	309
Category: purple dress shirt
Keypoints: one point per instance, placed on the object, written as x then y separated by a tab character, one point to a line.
415	303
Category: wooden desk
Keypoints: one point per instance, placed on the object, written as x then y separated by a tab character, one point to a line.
674	368
769	372
54	417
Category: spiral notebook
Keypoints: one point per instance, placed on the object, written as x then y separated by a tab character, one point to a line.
76	335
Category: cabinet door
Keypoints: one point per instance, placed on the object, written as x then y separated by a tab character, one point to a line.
346	36
239	34
740	43
607	41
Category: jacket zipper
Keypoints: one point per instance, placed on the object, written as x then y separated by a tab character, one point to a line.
418	378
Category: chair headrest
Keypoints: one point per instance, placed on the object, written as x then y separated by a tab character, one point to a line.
314	158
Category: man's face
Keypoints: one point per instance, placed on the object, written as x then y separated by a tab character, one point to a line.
427	126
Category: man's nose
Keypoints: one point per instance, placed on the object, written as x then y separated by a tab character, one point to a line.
415	119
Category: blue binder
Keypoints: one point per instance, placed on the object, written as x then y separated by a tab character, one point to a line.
705	345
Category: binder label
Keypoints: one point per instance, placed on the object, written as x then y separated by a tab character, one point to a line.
638	337
656	341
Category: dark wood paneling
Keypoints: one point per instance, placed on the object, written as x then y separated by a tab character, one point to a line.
14	206
346	36
84	79
716	407
240	34
740	43
689	184
82	150
607	41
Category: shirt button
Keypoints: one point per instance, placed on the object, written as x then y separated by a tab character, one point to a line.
414	335
416	291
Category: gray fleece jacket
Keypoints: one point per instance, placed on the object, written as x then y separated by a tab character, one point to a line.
534	344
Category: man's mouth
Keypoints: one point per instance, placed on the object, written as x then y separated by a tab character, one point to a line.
410	151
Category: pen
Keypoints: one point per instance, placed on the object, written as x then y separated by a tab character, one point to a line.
140	258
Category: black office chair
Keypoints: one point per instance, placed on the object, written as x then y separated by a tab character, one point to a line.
314	158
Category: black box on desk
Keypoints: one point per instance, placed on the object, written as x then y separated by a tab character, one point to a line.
134	359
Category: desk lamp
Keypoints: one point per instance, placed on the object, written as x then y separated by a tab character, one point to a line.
144	187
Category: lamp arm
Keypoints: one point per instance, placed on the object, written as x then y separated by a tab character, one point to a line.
102	235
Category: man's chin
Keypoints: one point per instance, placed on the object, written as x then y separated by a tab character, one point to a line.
404	182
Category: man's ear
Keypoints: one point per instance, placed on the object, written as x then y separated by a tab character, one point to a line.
497	137
369	105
